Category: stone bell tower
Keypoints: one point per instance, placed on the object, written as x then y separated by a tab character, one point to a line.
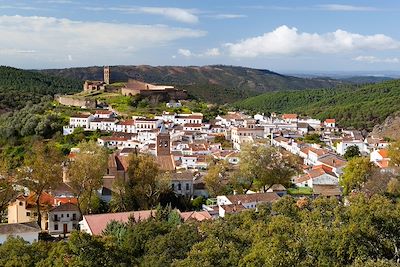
107	75
163	143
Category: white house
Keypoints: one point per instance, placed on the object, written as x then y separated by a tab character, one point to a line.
182	183
127	126
380	158
27	231
195	127
104	114
318	175
194	118
81	120
331	123
63	219
342	146
144	124
235	203
290	118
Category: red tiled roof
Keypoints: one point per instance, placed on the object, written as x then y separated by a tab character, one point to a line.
103	112
127	122
330	121
289	116
384	153
195	215
98	222
383	163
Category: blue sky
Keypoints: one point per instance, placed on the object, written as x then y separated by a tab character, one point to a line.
303	35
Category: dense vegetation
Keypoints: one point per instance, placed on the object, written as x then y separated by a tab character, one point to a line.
214	84
19	86
361	107
323	232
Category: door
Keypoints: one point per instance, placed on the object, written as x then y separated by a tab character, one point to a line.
65	228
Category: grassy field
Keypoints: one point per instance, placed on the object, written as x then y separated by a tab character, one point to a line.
300	191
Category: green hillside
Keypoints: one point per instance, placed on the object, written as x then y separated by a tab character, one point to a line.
19	86
216	84
360	107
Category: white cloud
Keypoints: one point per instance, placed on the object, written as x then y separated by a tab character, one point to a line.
172	13
373	59
55	39
337	7
185	52
229	16
289	41
19	7
212	52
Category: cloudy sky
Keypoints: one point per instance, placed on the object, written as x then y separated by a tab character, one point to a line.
301	35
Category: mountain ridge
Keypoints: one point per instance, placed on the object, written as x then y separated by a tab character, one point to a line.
212	83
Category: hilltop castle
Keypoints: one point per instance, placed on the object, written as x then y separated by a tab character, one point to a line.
154	93
90	86
161	92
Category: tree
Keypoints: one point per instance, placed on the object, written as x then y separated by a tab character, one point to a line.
394	153
262	166
143	185
41	171
351	152
216	178
393	187
356	173
7	192
86	172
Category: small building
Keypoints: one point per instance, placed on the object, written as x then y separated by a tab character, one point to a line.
182	183
318	175
380	158
331	123
27	231
248	200
63	219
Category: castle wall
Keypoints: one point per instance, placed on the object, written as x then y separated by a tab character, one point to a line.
76	102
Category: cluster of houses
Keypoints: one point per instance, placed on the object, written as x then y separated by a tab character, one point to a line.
183	145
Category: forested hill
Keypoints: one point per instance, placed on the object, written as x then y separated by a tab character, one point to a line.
219	84
19	86
360	107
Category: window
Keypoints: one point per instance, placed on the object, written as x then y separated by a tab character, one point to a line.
67	215
28	214
179	187
35	214
172	186
55	226
21	203
187	186
55	217
62	215
74	216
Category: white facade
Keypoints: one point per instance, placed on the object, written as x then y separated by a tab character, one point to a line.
27	236
341	147
63	221
80	121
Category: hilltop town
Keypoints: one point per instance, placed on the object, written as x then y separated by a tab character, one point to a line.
189	149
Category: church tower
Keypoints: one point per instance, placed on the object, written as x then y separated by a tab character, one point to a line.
163	144
107	75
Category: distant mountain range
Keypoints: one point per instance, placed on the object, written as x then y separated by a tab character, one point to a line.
217	83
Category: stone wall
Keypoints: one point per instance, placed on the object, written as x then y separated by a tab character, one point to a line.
76	101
